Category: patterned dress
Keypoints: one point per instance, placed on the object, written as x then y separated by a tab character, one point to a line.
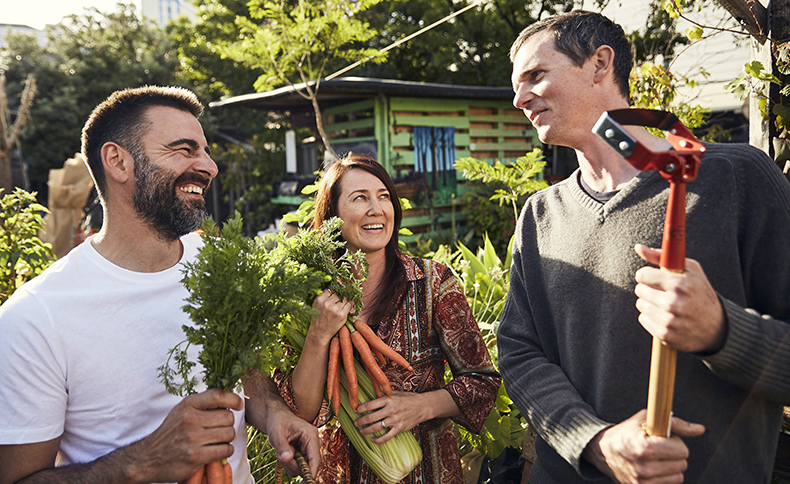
433	325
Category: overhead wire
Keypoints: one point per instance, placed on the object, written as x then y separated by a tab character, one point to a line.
403	40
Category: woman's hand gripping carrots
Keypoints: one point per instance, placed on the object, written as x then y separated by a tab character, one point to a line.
366	343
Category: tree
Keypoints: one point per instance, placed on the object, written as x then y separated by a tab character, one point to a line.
470	49
294	42
9	131
201	66
765	79
473	48
85	58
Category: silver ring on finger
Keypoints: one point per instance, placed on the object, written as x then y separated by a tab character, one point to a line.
383	425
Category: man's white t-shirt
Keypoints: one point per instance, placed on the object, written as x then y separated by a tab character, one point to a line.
80	348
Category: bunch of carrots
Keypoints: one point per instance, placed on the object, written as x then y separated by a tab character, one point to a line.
372	353
216	472
239	294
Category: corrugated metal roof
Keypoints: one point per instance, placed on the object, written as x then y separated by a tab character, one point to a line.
346	88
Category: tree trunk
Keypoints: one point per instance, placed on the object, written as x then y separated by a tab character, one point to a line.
319	124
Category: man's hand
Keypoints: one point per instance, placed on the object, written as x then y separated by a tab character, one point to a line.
196	431
268	412
628	455
680	309
287	433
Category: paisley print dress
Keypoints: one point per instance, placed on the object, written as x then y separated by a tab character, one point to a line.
433	324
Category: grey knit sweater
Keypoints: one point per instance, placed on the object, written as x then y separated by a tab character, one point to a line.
574	357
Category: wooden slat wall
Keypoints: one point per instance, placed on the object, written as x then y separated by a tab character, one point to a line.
351	122
488	130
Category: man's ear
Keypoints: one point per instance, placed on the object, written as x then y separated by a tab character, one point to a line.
118	163
603	60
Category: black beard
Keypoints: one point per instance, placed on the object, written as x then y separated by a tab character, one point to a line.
156	202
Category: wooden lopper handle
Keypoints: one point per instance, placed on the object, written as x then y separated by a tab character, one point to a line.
663	360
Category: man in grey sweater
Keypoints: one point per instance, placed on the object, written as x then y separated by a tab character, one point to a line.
586	298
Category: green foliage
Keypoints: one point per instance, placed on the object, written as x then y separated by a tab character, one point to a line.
517	178
287	40
324	251
659	39
653	86
485	281
238	297
247	175
306	211
200	64
470	49
511	184
752	82
766	84
263	458
293	43
487	218
85	58
23	255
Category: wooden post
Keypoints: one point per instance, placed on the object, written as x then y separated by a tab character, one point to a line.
767	22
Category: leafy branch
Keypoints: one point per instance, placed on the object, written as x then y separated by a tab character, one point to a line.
23	255
290	41
517	178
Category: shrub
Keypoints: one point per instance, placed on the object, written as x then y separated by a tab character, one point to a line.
23	255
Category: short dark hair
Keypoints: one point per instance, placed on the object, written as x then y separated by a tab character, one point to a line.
326	200
121	119
577	34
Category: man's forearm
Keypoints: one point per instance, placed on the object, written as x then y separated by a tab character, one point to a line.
114	467
263	400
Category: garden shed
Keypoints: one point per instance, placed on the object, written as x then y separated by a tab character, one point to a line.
416	130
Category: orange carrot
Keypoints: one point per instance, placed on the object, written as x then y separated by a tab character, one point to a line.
197	477
347	351
228	472
366	356
214	473
332	367
379	356
376	344
376	385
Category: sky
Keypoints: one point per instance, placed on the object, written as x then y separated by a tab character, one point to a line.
38	13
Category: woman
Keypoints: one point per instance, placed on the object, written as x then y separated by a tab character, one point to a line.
414	305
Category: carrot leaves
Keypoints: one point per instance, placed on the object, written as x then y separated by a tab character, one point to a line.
240	292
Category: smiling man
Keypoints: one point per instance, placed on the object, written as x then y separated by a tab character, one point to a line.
80	345
572	352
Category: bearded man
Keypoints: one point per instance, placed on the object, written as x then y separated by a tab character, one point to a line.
80	345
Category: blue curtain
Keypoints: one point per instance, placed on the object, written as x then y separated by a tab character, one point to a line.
434	155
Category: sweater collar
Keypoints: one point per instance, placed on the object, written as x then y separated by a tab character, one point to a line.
603	209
